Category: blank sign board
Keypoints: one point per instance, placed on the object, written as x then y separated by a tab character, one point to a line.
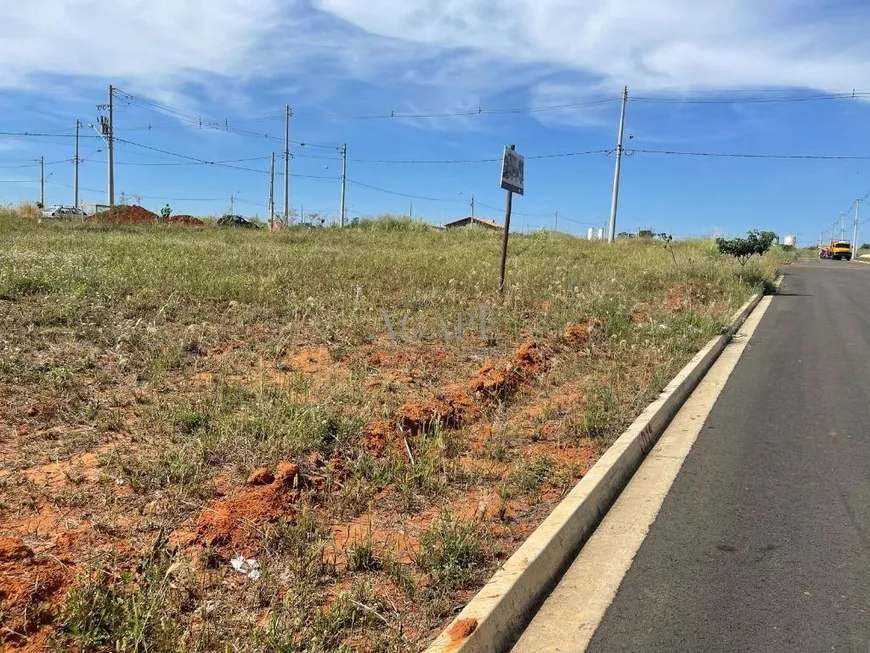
512	168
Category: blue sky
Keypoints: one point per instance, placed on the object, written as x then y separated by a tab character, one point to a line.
345	65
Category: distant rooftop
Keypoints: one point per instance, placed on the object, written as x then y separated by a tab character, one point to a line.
469	221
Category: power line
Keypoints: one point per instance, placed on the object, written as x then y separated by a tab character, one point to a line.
43	135
191	119
190	158
187	163
679	98
741	155
455	161
413	197
548	214
36	164
750	100
479	111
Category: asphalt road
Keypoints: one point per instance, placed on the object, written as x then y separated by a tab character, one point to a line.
763	543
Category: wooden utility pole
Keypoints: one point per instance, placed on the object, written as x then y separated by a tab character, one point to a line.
42	182
507	229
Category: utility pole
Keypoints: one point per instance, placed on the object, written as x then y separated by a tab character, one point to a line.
410	210
842	226
556	221
855	231
613	205
288	113
42	181
343	212
111	143
472	205
76	168
272	195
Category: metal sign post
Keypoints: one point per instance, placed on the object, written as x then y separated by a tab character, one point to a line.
512	169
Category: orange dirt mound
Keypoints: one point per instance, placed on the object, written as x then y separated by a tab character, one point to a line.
376	436
640	316
577	335
185	219
237	521
311	359
30	586
688	295
419	416
126	215
261	476
461	403
462	629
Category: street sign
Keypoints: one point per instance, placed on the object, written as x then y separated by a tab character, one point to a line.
512	168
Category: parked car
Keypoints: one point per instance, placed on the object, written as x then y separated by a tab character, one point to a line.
237	221
63	213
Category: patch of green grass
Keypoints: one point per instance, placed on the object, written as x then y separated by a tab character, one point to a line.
452	551
361	556
108	610
530	475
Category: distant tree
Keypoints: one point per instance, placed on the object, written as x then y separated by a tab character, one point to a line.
315	219
743	249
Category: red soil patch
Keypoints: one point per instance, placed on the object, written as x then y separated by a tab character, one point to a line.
395	358
577	335
311	359
640	316
376	436
237	521
684	296
126	215
185	219
261	476
462	629
135	214
30	589
460	403
82	467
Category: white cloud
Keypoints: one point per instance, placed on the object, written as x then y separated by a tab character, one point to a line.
12	144
430	55
160	41
643	43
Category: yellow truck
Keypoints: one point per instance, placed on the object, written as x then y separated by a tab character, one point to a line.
837	250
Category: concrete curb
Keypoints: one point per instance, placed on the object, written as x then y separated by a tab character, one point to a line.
498	613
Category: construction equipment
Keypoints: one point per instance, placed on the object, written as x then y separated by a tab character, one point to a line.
838	250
